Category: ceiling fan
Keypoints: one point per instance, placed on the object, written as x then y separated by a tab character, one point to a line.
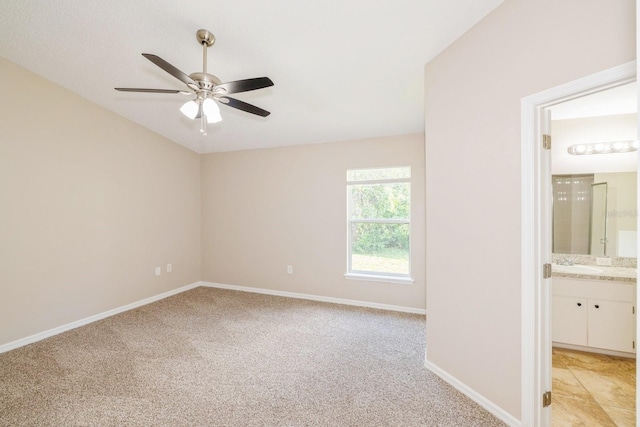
207	88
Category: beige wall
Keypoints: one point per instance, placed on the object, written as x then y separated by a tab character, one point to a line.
472	121
90	203
265	209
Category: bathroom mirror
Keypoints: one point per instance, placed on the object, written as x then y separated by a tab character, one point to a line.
595	214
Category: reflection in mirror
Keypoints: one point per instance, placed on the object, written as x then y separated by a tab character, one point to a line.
595	214
571	213
598	229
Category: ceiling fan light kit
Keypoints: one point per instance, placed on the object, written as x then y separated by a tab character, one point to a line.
211	111
207	88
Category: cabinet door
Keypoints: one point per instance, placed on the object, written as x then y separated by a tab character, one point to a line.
569	320
611	325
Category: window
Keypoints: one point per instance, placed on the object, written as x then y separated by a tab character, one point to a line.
378	224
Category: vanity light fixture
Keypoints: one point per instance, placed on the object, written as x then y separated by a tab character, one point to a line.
603	148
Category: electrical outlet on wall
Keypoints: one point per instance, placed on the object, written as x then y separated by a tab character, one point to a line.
158	271
169	268
290	269
603	261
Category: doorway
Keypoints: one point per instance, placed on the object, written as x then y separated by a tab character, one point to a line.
536	235
594	223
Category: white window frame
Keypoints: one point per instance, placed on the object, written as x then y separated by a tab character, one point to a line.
376	276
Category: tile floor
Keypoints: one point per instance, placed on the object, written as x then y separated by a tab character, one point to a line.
592	389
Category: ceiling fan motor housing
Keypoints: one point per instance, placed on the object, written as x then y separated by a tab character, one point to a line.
205	81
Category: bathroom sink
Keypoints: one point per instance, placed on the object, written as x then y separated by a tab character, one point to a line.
575	269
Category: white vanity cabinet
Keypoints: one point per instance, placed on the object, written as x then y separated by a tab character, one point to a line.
569	320
611	325
594	314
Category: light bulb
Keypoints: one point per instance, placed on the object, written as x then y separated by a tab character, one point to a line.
580	149
603	147
618	146
211	110
190	109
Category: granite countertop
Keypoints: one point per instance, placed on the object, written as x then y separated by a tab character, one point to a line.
599	272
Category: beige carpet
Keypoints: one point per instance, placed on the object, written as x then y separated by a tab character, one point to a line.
211	357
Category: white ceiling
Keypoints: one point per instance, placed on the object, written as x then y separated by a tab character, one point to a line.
343	69
618	100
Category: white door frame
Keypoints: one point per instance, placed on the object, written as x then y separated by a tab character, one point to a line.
536	236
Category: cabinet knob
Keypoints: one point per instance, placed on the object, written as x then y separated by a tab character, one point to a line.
579	304
597	306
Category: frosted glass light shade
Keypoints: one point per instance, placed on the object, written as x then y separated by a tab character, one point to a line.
603	147
190	109
211	110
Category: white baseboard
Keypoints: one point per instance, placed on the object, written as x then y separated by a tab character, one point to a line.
594	350
60	329
474	395
64	328
316	298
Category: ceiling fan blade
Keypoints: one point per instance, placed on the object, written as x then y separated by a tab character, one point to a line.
241	105
244	85
171	70
135	89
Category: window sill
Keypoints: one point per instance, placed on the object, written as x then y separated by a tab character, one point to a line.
376	278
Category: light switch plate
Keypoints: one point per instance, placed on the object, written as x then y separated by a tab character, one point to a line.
158	271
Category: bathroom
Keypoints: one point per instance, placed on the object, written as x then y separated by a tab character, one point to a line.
594	178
